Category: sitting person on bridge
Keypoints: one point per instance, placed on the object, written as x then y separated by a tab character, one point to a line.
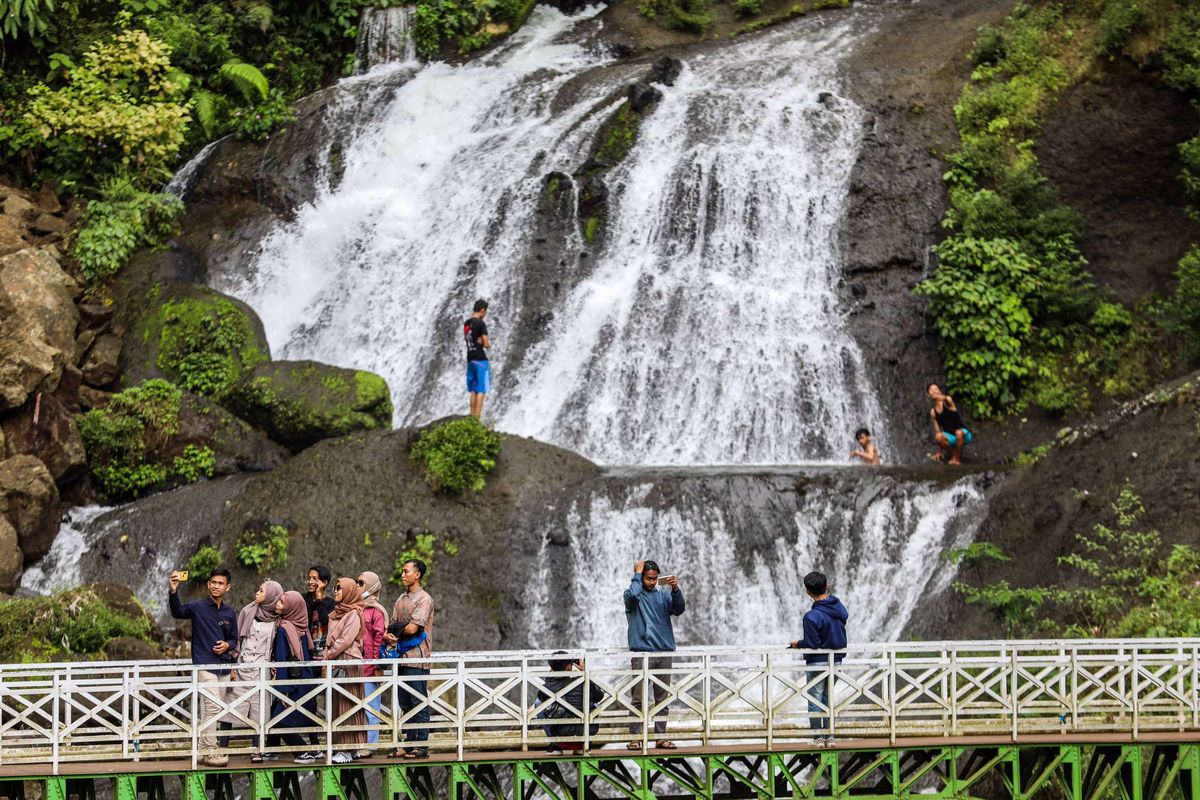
214	647
567	704
824	629
949	430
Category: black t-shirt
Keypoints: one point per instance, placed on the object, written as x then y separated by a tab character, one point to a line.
949	420
318	619
473	330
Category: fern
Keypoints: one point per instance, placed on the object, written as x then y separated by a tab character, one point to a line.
204	106
260	15
24	17
247	78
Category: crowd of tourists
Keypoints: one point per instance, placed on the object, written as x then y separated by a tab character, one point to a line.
345	630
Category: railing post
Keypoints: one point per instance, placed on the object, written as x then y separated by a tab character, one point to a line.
54	712
327	719
525	704
587	710
1136	684
952	694
706	665
767	704
893	707
1015	690
196	720
460	705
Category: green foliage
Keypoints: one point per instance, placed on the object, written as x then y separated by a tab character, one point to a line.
1034	454
246	78
1118	22
692	16
257	122
77	623
264	548
206	343
122	439
1182	312
122	220
194	463
120	112
975	554
990	47
1125	587
798	10
202	563
1181	50
424	547
468	24
457	455
748	8
25	18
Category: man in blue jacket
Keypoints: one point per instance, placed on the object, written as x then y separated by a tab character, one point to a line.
214	647
648	614
824	629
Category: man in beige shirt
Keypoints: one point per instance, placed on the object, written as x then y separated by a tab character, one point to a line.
414	610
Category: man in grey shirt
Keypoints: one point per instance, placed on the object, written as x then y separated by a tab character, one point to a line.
648	614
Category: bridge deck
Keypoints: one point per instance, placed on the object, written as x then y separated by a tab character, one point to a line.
241	764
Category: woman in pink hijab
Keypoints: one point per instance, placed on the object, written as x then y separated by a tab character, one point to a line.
344	645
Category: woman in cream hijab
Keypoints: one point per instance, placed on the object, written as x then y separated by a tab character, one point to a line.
256	638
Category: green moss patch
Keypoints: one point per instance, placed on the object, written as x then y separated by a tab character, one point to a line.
75	624
298	403
457	455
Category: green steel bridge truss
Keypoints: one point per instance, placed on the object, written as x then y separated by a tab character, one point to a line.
948	771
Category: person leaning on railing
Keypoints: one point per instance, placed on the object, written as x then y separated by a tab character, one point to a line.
214	647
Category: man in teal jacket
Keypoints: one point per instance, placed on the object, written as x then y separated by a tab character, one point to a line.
648	613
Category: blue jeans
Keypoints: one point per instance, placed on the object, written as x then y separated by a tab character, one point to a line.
372	719
818	703
409	701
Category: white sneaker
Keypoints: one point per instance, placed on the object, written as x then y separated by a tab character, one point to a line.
817	741
307	758
215	761
342	757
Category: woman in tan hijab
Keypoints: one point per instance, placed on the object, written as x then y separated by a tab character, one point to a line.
344	644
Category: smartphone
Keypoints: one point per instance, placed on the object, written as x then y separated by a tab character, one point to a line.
182	573
664	579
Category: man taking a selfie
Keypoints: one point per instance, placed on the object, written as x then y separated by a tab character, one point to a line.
214	644
648	614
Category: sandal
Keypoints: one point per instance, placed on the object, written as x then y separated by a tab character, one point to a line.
399	752
416	752
256	758
663	744
634	745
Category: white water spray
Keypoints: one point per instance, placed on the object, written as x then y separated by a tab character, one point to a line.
705	331
385	35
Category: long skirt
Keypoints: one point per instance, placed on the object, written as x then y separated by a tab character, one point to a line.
342	705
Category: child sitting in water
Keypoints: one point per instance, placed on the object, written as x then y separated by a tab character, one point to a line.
866	452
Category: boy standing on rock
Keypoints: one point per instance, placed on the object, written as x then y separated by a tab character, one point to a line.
479	369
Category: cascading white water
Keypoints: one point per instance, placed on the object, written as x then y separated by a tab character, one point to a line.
58	570
707	328
385	35
881	547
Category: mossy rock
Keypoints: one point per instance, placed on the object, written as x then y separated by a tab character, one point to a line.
299	403
75	624
196	337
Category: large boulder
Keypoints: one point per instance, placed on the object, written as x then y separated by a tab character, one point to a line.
47	430
29	502
11	559
37	325
195	337
237	446
298	403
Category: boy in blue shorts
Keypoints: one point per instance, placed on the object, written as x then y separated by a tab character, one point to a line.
479	369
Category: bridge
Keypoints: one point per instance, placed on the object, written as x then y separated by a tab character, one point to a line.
1089	718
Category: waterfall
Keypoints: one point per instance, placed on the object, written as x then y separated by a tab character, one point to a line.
706	330
385	35
741	548
181	182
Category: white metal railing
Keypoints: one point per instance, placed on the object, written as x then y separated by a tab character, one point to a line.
480	702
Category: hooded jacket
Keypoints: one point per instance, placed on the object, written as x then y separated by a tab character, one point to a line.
825	629
648	615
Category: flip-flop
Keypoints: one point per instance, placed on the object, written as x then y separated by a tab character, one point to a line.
663	744
634	746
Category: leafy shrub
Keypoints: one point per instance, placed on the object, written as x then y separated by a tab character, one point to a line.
748	8
1181	50
202	563
120	113
463	22
1118	22
1182	311
120	222
127	439
75	623
264	548
424	547
989	46
25	18
457	455
194	463
693	16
